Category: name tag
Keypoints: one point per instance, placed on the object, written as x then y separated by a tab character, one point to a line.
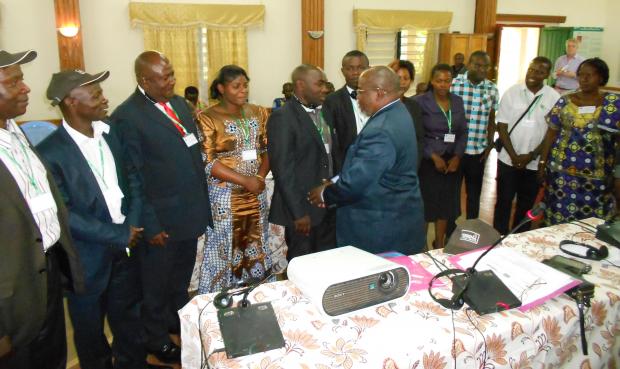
327	148
449	137
248	155
41	203
190	140
587	109
113	193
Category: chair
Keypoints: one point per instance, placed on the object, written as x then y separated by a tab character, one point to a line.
37	131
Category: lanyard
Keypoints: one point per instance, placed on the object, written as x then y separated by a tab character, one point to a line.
29	172
174	118
533	105
319	126
101	159
244	124
448	116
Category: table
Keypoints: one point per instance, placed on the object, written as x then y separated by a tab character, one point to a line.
415	332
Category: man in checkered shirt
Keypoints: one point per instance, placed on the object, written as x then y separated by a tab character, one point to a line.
481	99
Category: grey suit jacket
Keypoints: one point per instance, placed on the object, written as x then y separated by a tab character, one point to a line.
23	276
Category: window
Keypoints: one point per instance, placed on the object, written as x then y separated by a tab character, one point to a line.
384	46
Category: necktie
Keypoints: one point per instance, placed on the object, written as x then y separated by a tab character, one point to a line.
353	94
173	116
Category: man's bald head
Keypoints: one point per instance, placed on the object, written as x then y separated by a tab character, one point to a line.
155	75
378	86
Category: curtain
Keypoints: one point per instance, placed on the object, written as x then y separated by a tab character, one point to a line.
431	49
180	45
226	47
209	15
552	43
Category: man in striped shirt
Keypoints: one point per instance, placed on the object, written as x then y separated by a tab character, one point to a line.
481	100
35	246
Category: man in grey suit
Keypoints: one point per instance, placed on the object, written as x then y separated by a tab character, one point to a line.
377	192
36	252
300	154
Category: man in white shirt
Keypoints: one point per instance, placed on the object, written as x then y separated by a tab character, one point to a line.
522	112
104	198
35	246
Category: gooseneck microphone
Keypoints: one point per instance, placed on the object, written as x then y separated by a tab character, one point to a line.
535	213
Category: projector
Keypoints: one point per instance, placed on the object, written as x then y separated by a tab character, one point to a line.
346	279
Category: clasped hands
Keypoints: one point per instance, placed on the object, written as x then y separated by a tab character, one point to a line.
315	194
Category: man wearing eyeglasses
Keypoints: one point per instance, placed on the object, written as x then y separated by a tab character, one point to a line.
481	100
377	194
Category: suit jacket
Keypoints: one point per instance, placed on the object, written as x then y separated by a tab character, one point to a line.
23	277
176	198
298	162
416	114
378	193
338	112
97	239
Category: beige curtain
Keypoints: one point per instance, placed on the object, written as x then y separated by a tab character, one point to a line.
209	15
431	48
180	45
226	47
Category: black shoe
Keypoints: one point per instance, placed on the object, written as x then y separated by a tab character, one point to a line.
168	353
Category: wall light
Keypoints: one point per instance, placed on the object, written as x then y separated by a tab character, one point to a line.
70	30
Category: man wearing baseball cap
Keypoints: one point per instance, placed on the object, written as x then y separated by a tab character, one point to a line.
104	199
36	251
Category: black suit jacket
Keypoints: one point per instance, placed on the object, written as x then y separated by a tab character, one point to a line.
298	162
338	112
416	114
97	239
23	281
176	199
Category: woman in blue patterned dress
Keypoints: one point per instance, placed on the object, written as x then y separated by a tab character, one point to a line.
235	150
579	150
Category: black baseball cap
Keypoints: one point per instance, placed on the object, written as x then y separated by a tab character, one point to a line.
63	82
7	59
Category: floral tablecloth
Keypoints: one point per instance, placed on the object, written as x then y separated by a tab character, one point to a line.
415	332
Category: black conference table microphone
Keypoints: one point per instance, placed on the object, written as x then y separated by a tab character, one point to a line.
483	291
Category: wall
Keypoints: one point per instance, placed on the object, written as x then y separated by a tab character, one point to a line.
594	13
274	49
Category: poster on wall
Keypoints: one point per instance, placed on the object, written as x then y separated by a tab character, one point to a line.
590	39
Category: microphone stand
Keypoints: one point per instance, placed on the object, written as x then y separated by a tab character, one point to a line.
489	283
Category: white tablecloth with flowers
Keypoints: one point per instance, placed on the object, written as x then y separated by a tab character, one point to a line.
415	332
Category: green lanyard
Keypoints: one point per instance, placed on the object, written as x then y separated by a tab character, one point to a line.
319	127
529	112
244	124
448	117
28	173
101	159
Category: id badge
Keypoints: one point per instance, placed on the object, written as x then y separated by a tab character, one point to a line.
248	155
587	109
327	148
41	203
449	137
190	140
114	193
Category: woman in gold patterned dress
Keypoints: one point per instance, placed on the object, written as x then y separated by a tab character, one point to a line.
235	150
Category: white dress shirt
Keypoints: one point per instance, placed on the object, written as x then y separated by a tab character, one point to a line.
101	162
31	177
360	117
530	132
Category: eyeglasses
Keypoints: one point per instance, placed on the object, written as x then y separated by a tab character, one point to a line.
359	90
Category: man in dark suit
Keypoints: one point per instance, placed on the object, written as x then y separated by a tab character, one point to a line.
341	109
162	143
36	252
377	192
300	149
105	204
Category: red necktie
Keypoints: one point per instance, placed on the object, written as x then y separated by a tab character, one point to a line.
173	116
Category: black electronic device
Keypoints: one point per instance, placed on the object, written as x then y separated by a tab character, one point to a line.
562	263
483	291
609	232
249	330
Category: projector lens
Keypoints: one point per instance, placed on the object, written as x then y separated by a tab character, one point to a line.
387	281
